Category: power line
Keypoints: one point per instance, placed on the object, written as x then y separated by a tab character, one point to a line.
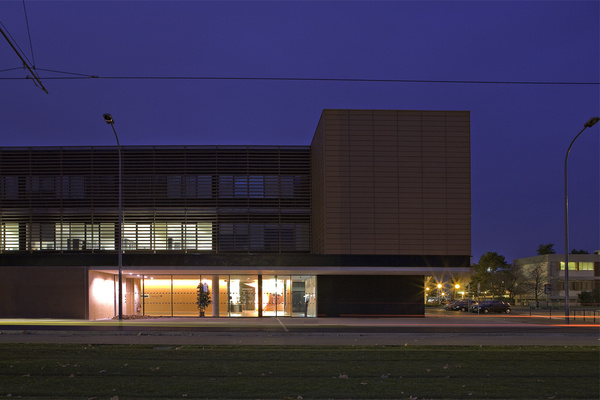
29	34
12	42
34	76
300	79
65	72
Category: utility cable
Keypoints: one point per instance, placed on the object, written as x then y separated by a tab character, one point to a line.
65	72
299	79
10	69
35	78
29	34
14	41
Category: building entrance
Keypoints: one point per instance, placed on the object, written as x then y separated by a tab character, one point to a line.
231	295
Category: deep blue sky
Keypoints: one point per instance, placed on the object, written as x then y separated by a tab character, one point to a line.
519	133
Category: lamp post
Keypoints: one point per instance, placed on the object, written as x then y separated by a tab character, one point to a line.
591	122
109	120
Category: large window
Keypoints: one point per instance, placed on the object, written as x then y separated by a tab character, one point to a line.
235	296
264	237
82	236
9	236
578	266
258	186
189	186
9	187
167	236
70	187
59	187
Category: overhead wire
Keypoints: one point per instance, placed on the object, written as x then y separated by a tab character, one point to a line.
302	79
21	54
248	78
29	34
65	72
13	41
10	69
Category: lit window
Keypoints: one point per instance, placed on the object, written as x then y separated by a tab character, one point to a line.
9	236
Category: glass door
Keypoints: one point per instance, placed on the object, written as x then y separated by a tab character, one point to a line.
304	303
276	296
243	296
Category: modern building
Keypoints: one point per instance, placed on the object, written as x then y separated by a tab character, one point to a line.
348	226
584	275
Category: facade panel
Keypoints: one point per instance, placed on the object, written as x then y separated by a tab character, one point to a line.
411	160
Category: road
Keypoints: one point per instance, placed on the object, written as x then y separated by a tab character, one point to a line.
437	328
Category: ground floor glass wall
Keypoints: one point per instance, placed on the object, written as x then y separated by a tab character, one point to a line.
231	295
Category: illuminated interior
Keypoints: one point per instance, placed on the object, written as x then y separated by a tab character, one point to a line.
85	236
9	236
168	236
237	295
578	266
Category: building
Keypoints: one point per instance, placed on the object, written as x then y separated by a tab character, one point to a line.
549	269
348	226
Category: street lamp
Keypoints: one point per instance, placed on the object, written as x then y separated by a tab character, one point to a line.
591	122
109	120
457	286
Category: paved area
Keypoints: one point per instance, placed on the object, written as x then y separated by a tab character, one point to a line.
437	328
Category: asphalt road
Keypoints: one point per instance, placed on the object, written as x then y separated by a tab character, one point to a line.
437	328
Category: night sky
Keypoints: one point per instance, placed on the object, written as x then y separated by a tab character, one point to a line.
519	132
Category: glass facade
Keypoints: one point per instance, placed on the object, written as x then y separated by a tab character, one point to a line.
236	296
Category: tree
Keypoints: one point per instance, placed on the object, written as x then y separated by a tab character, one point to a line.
492	273
579	252
589	298
511	279
202	298
535	279
546	249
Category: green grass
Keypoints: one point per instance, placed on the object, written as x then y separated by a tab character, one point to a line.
48	371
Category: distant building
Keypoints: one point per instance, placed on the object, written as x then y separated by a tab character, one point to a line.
584	275
348	226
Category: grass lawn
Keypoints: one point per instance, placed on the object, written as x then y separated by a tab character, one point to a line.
51	371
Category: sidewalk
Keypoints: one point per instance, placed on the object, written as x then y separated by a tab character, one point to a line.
437	328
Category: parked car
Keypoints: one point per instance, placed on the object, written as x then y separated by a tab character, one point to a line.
488	306
461	305
448	306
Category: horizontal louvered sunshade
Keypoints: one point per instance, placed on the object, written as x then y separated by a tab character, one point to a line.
231	199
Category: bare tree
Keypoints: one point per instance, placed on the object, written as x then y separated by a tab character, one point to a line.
535	277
